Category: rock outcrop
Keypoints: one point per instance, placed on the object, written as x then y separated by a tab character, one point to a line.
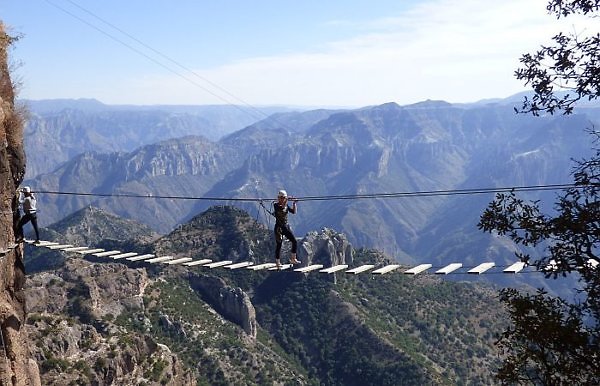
328	248
17	366
231	302
72	310
108	289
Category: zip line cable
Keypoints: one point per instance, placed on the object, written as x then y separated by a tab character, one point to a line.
452	192
191	81
178	64
430	193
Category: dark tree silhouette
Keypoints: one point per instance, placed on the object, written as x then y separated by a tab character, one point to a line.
554	341
570	65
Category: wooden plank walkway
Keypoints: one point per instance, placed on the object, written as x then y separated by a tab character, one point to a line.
310	268
449	269
386	269
190	262
481	268
141	257
335	268
217	264
361	269
198	262
160	259
418	269
179	261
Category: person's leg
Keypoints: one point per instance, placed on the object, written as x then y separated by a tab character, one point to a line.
278	242
24	220
35	226
287	232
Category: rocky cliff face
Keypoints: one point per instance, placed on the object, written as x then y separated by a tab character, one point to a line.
71	310
231	302
16	364
187	166
328	248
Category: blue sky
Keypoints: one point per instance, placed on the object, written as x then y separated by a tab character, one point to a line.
309	53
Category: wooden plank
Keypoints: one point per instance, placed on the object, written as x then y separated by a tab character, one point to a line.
240	265
514	268
335	268
198	262
75	249
58	246
312	267
141	257
107	253
90	251
283	267
481	268
42	243
386	269
258	267
362	268
179	261
552	266
124	255
159	259
219	264
591	263
449	268
418	269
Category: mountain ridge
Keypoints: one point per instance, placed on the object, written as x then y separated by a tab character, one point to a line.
388	148
57	130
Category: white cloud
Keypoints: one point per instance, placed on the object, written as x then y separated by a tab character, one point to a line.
459	51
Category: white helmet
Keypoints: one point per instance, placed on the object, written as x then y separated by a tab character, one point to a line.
26	189
282	193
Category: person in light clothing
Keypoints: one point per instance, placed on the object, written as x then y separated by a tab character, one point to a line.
282	228
29	204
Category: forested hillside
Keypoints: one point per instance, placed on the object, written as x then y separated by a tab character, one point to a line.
193	325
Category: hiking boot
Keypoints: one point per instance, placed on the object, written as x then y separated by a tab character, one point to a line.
293	259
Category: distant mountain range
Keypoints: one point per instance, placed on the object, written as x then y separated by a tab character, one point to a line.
59	129
424	147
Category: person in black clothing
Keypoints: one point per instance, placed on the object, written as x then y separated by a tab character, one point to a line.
282	228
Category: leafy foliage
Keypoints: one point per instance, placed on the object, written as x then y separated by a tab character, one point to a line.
552	340
552	334
546	331
571	64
